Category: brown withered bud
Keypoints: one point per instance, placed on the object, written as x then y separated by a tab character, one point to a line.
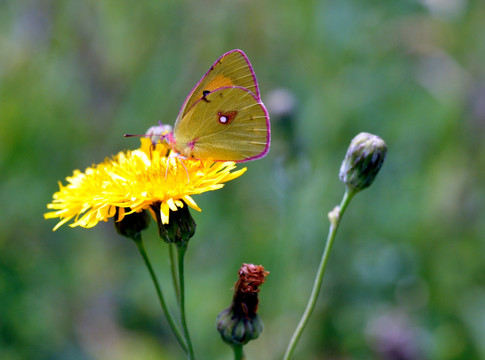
240	323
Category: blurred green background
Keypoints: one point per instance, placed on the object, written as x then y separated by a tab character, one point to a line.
406	278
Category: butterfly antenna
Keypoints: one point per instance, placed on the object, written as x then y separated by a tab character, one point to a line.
158	133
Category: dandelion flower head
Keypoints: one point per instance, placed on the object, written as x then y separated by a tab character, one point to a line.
133	181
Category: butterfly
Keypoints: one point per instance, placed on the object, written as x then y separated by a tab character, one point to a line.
223	117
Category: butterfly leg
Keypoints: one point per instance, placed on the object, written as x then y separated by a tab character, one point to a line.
186	170
167	164
178	157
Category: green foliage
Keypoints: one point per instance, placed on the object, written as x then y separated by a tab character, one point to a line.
407	266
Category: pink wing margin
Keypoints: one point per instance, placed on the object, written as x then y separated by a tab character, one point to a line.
268	134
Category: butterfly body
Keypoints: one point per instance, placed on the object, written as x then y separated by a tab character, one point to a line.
223	118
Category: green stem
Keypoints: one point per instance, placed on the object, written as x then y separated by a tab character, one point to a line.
238	352
181	254
171	322
334	223
173	268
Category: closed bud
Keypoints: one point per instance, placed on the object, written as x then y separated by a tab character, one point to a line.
181	226
363	161
237	330
131	225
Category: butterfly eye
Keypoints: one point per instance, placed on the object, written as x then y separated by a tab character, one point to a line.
227	117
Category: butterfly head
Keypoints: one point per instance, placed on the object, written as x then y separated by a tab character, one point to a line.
160	132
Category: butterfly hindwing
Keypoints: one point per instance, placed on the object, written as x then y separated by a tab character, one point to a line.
229	123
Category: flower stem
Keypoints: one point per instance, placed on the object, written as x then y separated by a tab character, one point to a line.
173	268
182	247
168	315
238	352
334	217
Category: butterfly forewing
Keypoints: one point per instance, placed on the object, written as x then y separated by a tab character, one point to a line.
231	69
229	124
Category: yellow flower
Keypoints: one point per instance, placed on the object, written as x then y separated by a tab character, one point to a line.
132	181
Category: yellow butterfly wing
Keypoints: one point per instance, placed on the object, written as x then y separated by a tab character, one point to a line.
227	124
231	69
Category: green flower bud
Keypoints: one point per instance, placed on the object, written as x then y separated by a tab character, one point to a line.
236	330
131	225
240	323
364	158
180	228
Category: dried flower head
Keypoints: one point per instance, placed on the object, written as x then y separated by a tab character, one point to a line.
240	323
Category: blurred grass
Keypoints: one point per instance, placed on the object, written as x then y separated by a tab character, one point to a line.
406	274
